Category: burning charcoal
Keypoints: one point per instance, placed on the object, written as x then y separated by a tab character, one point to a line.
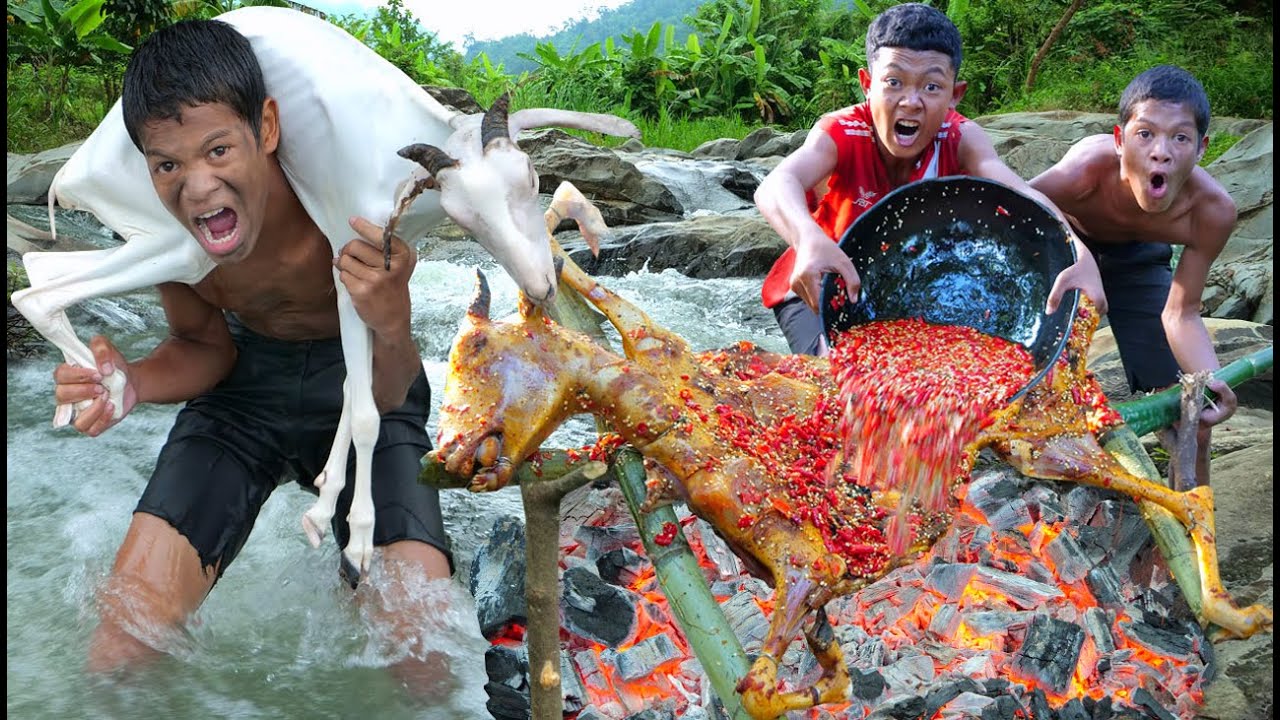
942	653
1102	709
1160	642
747	620
1021	592
950	580
909	674
507	666
965	705
1105	586
867	684
910	707
664	710
981	665
1068	557
595	609
1098	622
600	540
591	712
506	703
906	598
645	656
867	654
981	538
1125	529
1143	699
876	592
718	551
995	686
1045	504
999	497
1007	707
1073	710
497	578
996	623
1039	706
1050	652
1082	501
946	692
619	566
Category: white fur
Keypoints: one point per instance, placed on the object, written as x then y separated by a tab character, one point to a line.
344	112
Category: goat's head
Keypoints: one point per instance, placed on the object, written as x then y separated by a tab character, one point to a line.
489	187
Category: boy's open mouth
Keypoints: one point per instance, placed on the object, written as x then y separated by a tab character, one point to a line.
906	131
1158	184
218	229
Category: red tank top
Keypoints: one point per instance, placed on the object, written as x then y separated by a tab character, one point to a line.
860	180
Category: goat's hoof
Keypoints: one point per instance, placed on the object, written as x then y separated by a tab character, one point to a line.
63	415
349	572
314	526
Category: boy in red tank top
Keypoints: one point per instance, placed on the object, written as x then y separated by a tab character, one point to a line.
907	129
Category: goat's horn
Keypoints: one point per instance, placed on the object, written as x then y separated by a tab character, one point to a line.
480	301
428	156
494	123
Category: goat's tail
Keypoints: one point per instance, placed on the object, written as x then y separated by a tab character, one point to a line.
53	228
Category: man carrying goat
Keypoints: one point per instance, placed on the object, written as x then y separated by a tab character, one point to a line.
253	347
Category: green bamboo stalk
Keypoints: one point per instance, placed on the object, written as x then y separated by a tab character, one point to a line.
1160	410
1170	536
685	587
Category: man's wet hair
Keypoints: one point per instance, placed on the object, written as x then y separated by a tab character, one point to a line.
1167	83
914	26
192	62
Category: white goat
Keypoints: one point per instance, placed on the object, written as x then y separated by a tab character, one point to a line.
345	114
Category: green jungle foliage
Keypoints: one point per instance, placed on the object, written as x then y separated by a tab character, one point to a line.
726	67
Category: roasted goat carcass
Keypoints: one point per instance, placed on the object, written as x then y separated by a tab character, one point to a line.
511	383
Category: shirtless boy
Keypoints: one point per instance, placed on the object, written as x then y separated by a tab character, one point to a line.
253	350
1132	196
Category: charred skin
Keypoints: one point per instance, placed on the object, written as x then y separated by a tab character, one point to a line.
510	384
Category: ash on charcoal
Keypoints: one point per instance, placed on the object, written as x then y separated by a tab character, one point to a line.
1143	699
1045	504
497	578
645	656
948	691
995	686
596	610
942	653
1050	651
999	496
1073	710
910	707
950	579
964	706
619	566
997	623
1022	592
508	686
1161	642
665	710
1068	557
600	540
718	551
1102	709
591	712
1039	706
1081	502
1007	707
945	621
1098	623
981	665
867	684
747	620
1105	586
909	674
867	654
1124	528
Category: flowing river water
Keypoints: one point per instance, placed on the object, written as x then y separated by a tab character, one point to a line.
279	637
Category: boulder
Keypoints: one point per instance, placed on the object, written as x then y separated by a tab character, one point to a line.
31	175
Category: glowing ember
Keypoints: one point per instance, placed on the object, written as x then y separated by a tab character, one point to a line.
914	396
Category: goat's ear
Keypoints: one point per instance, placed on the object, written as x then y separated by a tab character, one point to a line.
479	308
494	123
428	156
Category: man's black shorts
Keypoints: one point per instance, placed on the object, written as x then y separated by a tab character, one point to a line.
1136	277
271	420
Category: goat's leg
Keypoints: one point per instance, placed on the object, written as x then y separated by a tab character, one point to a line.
1080	459
358	425
833	685
62	279
759	688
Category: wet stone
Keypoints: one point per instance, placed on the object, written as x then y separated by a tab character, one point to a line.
1050	651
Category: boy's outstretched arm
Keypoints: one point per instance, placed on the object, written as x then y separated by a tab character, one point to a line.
781	200
978	157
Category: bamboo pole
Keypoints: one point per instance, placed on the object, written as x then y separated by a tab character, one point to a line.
1162	409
